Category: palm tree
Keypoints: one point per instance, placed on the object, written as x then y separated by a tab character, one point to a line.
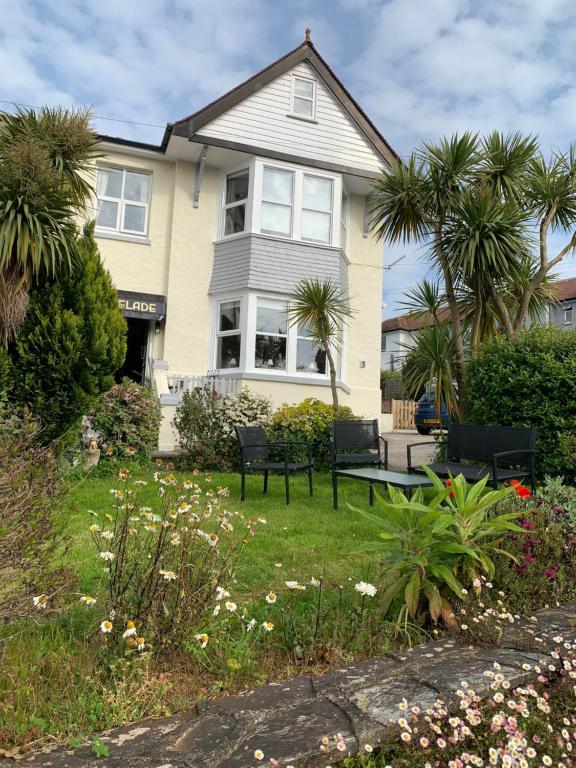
322	308
44	184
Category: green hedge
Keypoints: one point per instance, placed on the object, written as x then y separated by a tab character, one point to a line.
530	381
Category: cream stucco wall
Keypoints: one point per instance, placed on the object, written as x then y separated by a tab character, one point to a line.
177	263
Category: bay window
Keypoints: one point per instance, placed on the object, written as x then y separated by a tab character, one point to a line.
271	334
228	335
253	335
122	200
285	201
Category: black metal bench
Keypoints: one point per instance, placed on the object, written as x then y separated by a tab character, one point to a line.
502	453
356	444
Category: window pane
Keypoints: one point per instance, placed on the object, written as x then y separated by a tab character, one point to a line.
304	88
237	187
270	352
107	214
271	316
235	218
229	316
136	187
135	218
277	186
316	226
109	182
317	193
228	353
303	107
310	357
276	219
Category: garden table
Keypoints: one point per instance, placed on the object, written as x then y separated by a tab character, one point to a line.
383	476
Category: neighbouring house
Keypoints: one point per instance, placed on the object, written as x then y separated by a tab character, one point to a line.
399	333
207	233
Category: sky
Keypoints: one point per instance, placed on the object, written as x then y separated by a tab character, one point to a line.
420	68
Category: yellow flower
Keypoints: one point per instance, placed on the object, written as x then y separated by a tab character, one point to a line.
202	638
88	599
130	629
233	664
258	754
106	626
140	643
94	528
271	598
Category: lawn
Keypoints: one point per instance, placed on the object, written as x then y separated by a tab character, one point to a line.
59	683
308	537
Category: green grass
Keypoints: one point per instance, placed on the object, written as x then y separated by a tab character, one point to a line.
308	536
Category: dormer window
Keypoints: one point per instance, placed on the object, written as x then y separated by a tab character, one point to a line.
304	97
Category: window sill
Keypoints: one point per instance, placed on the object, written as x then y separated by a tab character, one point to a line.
305	119
105	235
285	378
279	238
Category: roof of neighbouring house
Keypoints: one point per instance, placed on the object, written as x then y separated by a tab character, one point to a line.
565	289
410	322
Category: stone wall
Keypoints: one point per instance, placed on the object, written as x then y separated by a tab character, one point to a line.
288	720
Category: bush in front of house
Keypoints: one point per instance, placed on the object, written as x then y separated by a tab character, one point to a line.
309	421
71	343
205	424
529	381
127	421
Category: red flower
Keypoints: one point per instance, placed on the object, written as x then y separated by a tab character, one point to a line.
523	492
514	483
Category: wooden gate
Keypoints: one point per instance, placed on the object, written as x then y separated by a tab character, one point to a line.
403	414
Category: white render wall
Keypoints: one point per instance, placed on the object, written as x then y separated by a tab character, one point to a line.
263	120
393	356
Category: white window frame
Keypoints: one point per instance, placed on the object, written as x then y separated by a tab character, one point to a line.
298	336
299	173
233	332
569	315
247	202
312	99
248	333
290	205
122	202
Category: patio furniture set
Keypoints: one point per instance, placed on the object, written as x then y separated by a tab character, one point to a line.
359	452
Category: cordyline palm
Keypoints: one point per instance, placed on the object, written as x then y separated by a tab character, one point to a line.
412	202
321	307
432	358
44	185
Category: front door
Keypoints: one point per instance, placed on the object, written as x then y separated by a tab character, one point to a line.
136	349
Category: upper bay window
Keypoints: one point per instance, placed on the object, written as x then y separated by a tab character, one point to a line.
285	201
304	97
123	198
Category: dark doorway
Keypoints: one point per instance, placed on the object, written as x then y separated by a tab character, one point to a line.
136	345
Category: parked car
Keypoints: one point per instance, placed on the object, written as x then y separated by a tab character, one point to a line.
426	416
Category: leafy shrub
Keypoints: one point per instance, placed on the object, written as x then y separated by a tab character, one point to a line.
29	534
433	553
6	372
545	555
71	343
309	421
127	420
205	424
530	381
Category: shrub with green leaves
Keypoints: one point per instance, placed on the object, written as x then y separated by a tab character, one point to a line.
309	421
71	343
530	381
436	552
127	420
205	424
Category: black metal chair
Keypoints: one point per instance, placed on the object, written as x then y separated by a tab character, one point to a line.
255	456
357	443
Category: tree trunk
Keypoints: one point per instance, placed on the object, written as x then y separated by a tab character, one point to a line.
454	317
502	310
13	304
332	367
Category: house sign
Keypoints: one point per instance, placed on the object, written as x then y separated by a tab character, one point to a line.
145	306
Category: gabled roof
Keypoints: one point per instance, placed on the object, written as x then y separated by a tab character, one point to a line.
411	322
191	125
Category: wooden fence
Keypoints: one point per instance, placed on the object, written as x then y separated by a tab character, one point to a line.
403	414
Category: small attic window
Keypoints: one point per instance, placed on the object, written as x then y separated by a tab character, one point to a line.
304	97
